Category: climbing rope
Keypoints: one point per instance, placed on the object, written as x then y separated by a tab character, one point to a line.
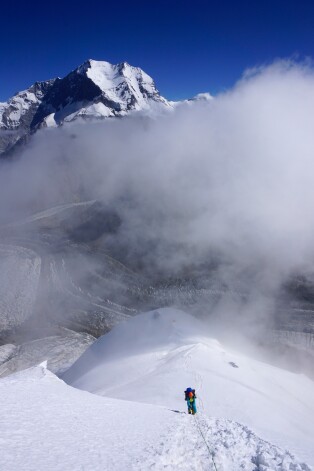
209	450
198	381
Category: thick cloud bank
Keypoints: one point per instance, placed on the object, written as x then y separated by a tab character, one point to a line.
228	180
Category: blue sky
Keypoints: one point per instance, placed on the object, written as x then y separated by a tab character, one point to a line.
186	46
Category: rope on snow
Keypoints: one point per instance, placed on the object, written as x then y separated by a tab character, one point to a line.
207	446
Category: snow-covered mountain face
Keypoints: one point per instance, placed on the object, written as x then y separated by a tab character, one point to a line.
16	115
96	89
36	404
19	110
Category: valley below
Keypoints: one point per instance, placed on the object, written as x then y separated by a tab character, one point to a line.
66	283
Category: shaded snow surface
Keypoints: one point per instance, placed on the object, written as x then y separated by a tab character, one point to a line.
248	416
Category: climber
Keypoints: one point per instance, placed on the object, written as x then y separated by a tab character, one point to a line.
190	397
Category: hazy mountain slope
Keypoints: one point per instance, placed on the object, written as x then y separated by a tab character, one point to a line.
65	267
54	274
60	351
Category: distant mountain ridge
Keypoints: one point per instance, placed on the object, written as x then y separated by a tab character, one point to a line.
96	89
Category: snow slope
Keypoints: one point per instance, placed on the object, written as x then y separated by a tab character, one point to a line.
47	425
122	83
152	358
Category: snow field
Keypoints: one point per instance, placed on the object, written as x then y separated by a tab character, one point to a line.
153	357
48	425
138	420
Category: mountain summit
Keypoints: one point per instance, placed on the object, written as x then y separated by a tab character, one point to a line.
96	89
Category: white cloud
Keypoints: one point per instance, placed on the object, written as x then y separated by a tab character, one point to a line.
231	178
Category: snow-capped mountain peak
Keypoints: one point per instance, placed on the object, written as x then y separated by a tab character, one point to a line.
95	89
128	86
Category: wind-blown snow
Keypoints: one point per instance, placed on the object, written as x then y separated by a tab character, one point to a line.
152	358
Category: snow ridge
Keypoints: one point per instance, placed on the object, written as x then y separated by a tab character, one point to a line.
48	425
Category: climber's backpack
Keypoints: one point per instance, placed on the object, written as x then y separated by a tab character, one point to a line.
189	394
